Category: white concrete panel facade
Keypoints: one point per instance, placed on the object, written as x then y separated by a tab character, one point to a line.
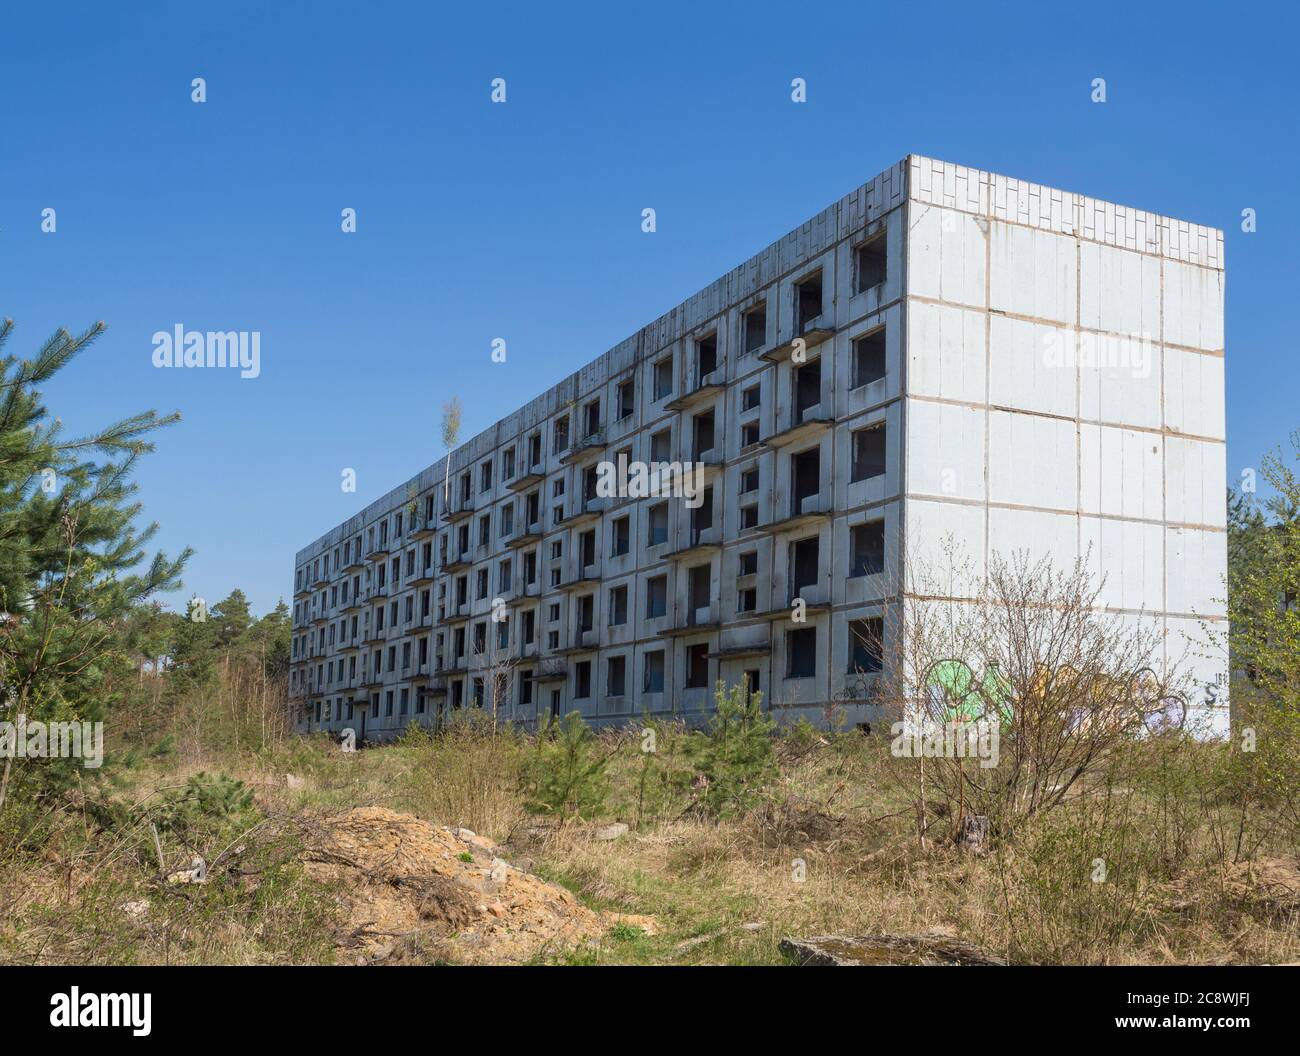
991	363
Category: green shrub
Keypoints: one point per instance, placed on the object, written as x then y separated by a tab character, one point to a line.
566	772
205	805
736	756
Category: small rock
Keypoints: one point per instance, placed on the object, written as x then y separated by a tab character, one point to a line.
135	909
293	781
497	909
756	925
612	832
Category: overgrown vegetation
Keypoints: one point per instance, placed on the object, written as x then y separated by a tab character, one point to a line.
1114	836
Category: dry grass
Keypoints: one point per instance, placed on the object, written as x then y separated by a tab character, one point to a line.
831	849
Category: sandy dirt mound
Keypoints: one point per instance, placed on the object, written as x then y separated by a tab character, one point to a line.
411	890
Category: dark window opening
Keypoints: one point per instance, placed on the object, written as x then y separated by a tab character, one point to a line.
807	389
805	565
808	302
663	378
869	263
656	598
697	666
654	672
702	515
706	358
868	454
701	580
703	434
801	652
806	469
866	645
616	681
755	328
869	358
867	549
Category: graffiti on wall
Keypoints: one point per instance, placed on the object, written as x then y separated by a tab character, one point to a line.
953	692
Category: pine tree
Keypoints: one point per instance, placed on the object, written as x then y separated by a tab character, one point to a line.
71	550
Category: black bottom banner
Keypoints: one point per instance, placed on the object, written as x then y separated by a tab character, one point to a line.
180	1005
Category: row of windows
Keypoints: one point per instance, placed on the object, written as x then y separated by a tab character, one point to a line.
868	446
864	647
869	366
866	557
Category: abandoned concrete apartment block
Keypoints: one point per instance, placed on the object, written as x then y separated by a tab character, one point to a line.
987	361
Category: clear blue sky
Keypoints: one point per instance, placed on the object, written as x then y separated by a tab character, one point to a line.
522	221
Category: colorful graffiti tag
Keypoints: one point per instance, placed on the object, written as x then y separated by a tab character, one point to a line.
954	693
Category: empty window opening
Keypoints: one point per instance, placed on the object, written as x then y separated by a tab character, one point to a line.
868	454
808	301
617	606
867	549
697	666
616	680
801	652
807	389
704	433
701	587
654	672
869	358
702	516
866	645
658	525
805	565
706	358
755	323
806	474
622	536
659	444
869	263
656	597
663	378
